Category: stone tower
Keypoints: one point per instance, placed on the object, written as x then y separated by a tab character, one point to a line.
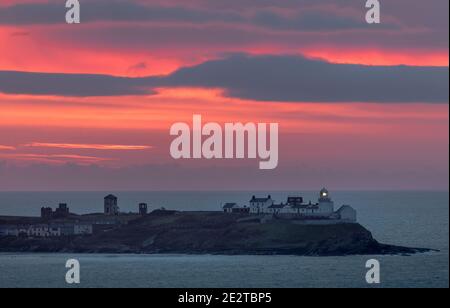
143	209
111	207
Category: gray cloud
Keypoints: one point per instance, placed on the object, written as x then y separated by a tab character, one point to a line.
70	84
192	40
293	78
107	10
131	11
234	23
314	20
264	78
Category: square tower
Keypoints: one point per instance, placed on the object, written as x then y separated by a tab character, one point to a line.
111	207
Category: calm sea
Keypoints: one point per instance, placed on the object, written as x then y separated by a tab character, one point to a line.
416	219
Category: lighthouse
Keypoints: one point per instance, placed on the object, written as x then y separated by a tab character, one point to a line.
326	205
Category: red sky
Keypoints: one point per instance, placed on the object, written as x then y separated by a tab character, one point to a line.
59	141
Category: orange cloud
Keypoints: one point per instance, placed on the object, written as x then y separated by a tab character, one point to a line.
6	148
159	112
113	147
25	53
55	158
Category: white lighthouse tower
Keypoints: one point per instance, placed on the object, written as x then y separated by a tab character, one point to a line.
326	205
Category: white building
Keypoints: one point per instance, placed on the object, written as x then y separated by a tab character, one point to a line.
235	209
347	213
43	231
276	209
228	207
309	209
47	230
8	230
324	208
296	208
83	229
260	205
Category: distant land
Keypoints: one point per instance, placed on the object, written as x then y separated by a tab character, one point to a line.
164	231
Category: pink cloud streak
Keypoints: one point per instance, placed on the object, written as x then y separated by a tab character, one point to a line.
6	148
109	147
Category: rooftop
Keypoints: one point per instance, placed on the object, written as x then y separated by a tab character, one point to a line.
254	199
229	205
110	197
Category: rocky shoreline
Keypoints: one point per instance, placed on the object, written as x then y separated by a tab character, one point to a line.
215	233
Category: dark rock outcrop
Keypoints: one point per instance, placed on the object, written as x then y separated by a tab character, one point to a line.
215	233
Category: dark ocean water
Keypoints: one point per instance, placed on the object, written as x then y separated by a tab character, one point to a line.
416	219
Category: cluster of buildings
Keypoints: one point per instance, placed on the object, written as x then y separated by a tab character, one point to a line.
111	207
295	207
60	222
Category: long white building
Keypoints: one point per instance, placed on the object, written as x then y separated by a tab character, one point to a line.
47	230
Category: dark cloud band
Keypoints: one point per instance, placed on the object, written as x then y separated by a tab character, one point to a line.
76	85
263	78
293	78
305	18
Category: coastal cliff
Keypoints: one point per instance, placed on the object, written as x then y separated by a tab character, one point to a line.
214	233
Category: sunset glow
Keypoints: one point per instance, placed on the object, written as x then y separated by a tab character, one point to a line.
131	129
